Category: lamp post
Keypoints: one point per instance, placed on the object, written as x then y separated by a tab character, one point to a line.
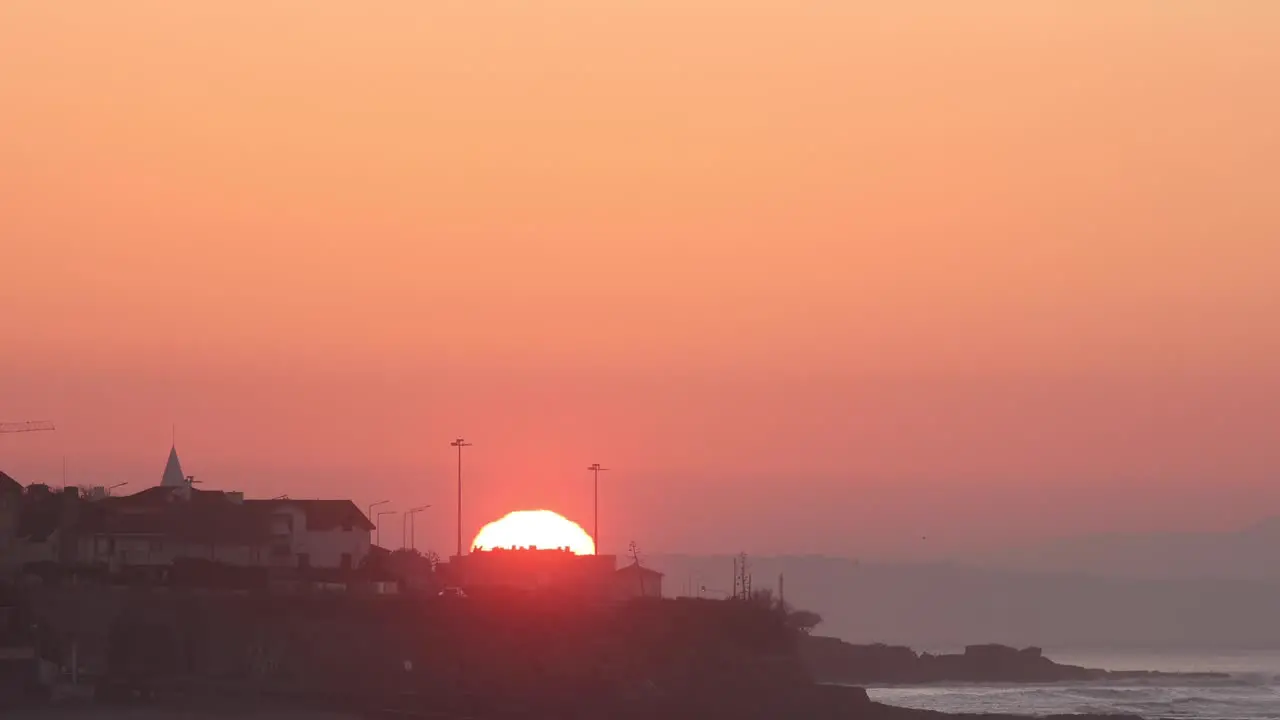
372	506
595	503
408	531
460	443
113	487
378	526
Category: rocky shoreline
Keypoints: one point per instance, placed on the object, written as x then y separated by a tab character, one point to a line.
817	703
832	660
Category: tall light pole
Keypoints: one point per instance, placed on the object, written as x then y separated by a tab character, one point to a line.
378	526
408	532
595	502
460	443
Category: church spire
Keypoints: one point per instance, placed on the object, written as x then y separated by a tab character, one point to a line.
173	475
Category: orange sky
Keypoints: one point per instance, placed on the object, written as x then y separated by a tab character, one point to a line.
811	276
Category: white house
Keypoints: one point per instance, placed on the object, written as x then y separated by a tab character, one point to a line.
316	533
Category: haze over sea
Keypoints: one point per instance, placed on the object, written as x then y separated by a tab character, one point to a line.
1252	692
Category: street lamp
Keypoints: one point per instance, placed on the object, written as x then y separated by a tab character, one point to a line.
595	483
460	443
374	505
113	487
408	531
378	526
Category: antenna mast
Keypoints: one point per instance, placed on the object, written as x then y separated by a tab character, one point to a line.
634	551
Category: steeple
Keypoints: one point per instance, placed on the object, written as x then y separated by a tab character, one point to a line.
173	476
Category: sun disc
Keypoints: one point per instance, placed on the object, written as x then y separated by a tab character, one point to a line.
543	529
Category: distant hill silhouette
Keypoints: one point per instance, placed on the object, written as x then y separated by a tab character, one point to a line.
946	606
1249	554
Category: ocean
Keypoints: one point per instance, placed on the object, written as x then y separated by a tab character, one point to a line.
1251	693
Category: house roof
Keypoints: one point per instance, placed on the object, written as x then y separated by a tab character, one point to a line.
635	567
156	497
8	485
39	518
41	511
213	520
200	516
322	515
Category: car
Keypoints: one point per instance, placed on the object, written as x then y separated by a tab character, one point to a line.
453	592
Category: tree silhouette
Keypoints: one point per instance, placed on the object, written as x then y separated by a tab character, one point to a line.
799	620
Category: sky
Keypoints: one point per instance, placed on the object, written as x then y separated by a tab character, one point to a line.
844	277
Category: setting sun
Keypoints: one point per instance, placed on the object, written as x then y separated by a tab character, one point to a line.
535	529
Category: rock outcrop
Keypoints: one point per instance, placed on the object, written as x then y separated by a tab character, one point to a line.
833	660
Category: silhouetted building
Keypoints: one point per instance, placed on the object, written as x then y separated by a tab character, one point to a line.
556	570
635	581
10	502
174	521
559	571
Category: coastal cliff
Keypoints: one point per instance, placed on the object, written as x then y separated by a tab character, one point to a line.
480	658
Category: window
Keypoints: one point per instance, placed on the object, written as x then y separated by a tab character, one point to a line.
157	546
282	523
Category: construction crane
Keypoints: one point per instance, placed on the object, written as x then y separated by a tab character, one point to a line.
31	426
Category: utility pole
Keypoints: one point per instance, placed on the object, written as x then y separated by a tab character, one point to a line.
460	443
735	577
741	578
595	503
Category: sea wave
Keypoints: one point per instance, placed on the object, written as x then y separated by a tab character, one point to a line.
1247	696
